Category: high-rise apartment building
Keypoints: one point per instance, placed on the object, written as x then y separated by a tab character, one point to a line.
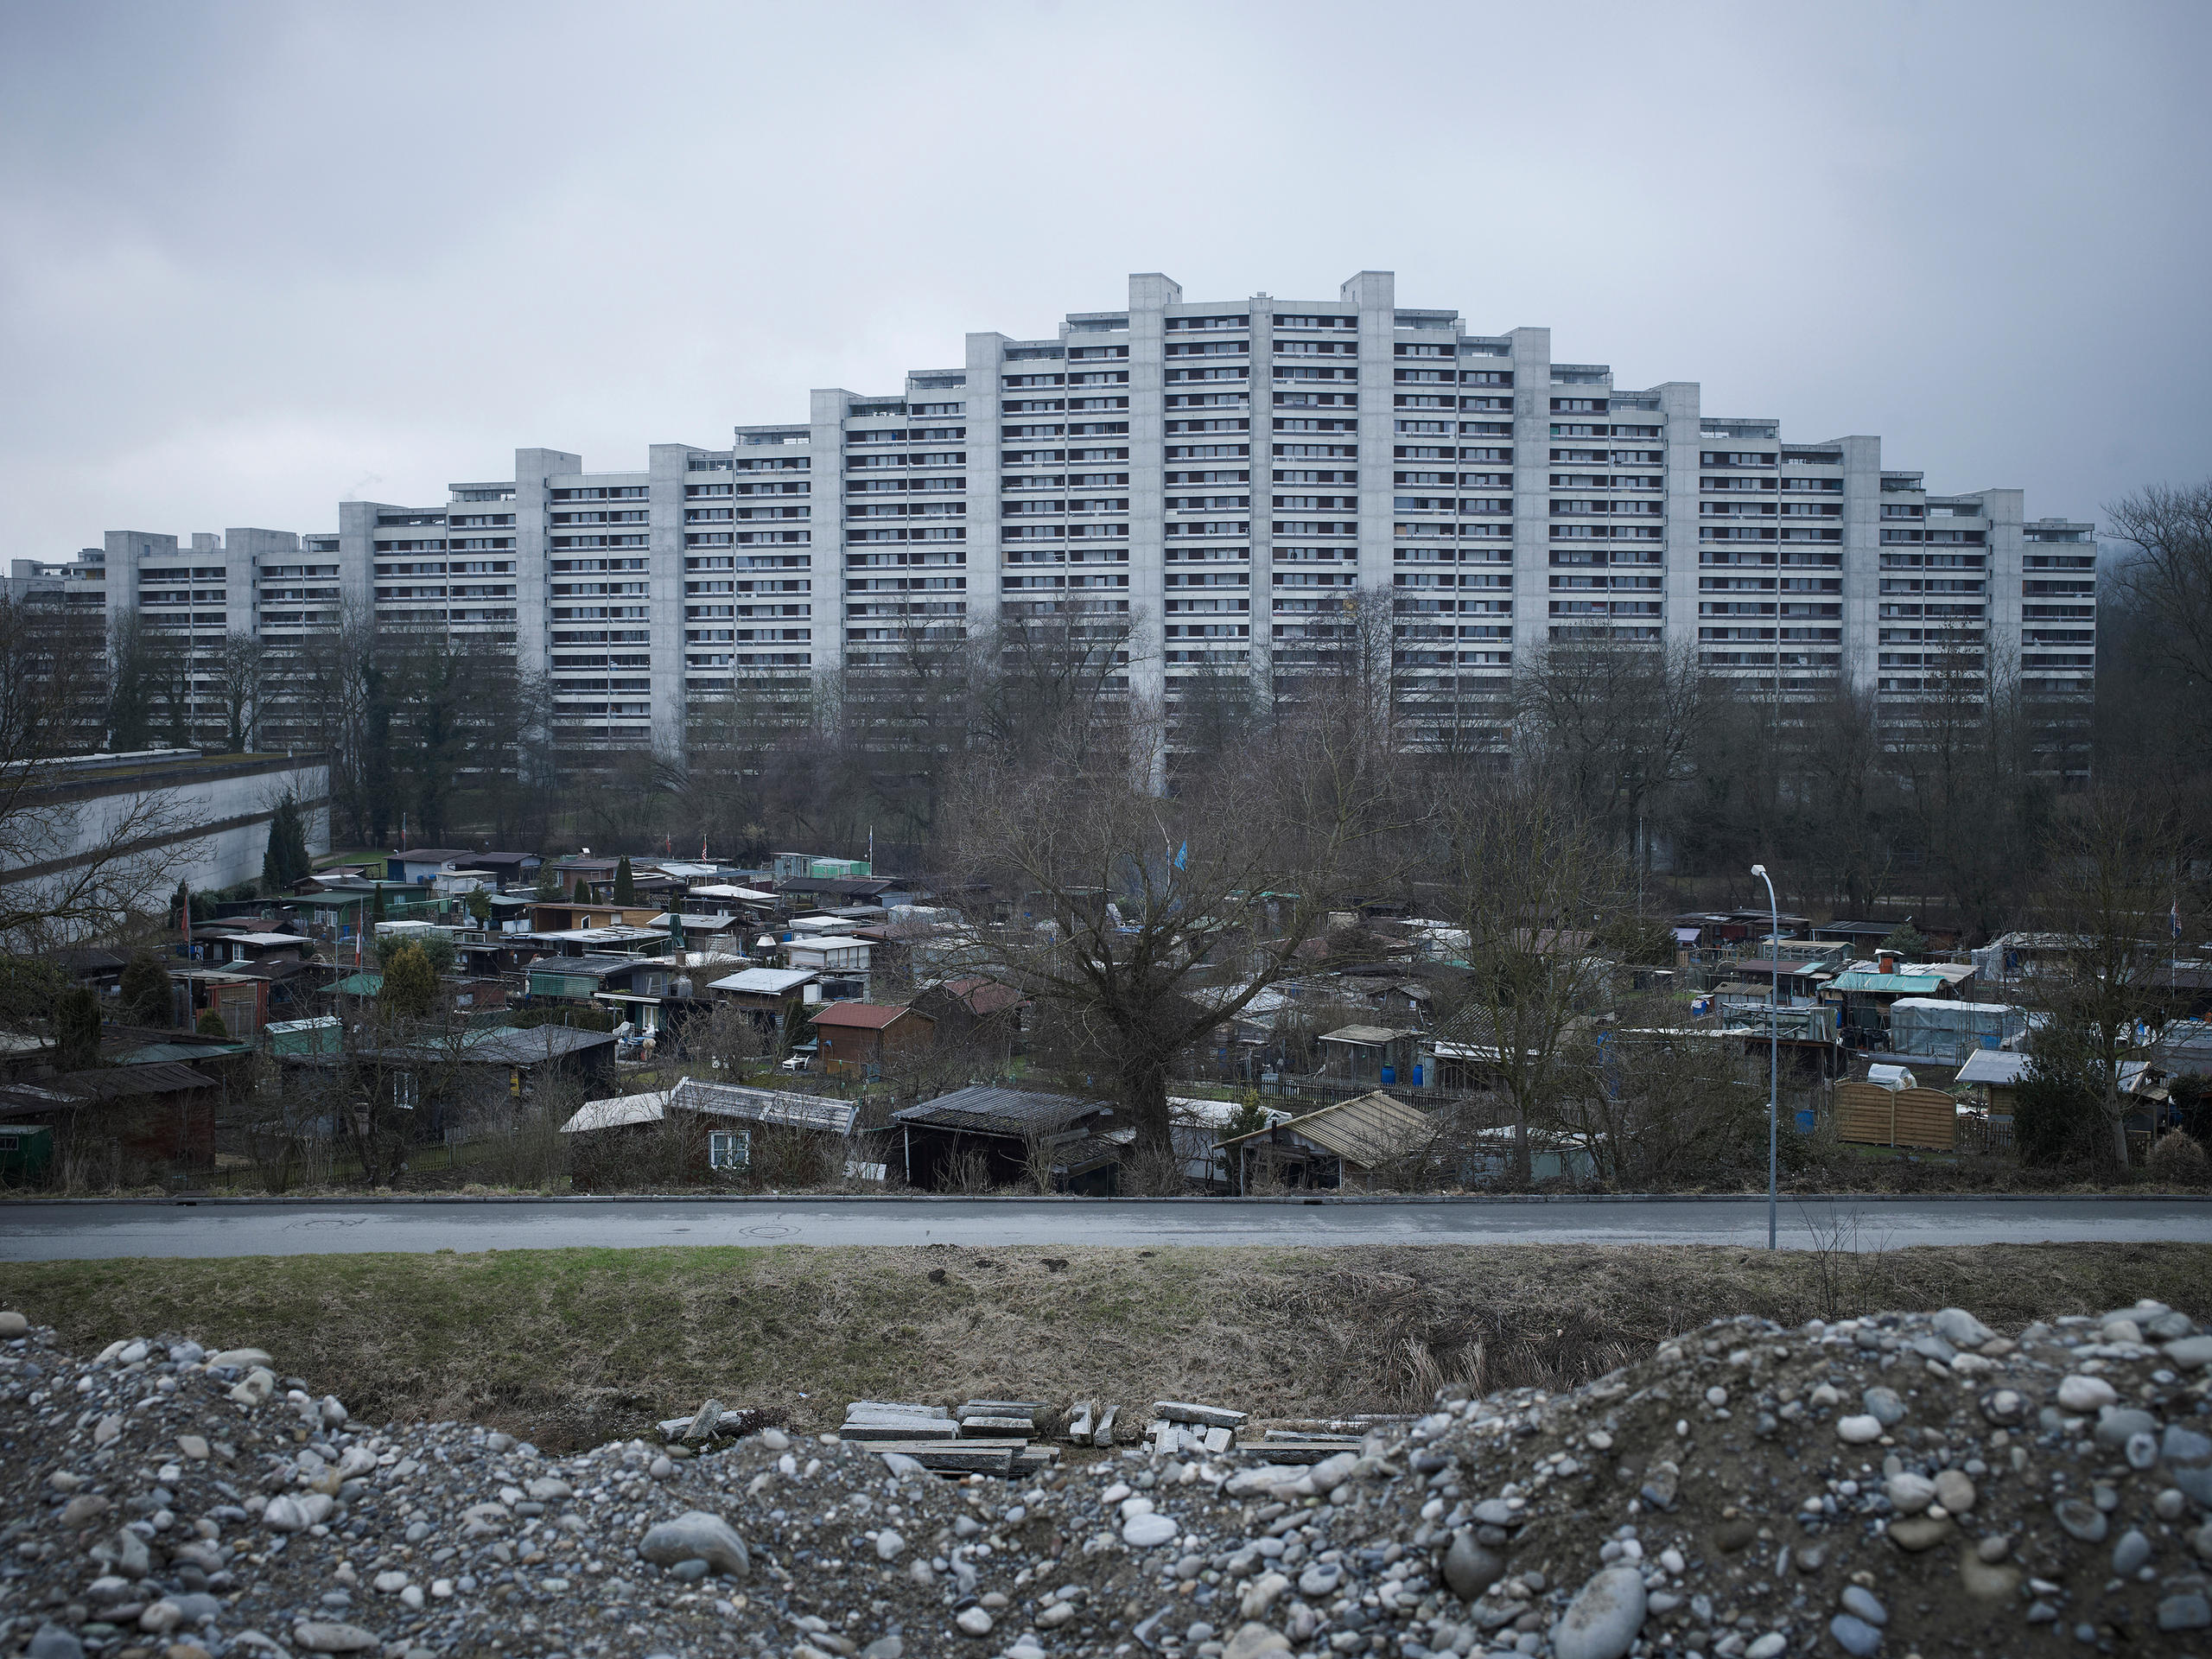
1236	479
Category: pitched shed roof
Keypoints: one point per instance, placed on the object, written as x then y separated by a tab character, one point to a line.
1364	1129
2000	1066
865	1016
982	996
1367	1036
159	1077
620	1112
992	1110
770	1106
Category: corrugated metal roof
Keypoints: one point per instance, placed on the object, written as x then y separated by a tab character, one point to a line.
770	1106
620	1112
1364	1129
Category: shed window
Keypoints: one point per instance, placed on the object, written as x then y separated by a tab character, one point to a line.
728	1149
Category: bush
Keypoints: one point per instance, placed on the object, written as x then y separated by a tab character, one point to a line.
411	984
563	1014
2177	1157
146	989
2056	1115
287	860
77	1028
1906	943
211	1024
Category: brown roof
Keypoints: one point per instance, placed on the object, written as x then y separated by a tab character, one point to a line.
982	996
867	1016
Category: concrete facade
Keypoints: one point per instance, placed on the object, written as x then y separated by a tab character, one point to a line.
213	819
1226	474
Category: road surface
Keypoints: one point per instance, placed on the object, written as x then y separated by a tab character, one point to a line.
48	1232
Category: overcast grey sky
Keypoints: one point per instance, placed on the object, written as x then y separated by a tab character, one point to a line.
257	258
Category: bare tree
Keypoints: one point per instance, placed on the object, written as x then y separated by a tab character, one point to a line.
1136	924
2170	580
2111	887
1615	723
1531	883
75	860
243	672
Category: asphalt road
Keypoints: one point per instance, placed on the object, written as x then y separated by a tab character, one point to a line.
48	1232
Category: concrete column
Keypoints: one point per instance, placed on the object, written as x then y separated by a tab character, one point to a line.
1376	294
1150	295
533	570
1259	603
667	469
1681	405
2003	509
826	492
1862	563
1532	392
986	566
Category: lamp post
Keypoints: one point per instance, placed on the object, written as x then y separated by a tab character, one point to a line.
1774	1043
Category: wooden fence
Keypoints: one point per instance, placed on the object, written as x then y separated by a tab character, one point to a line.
1871	1116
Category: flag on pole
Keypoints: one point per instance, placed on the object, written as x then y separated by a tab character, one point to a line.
2173	918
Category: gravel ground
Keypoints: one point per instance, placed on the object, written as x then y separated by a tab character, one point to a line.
1892	1485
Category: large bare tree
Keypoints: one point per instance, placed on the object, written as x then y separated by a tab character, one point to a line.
1136	922
1614	721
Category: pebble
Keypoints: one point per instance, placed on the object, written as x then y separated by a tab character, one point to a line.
1909	1494
1955	1325
973	1621
696	1535
1148	1531
317	1636
1469	1568
1858	1430
1985	1580
1854	1636
2085	1394
2190	1354
2188	1612
1884	1405
2082	1521
1862	1602
1602	1619
888	1543
2130	1552
1919	1532
1954	1491
12	1324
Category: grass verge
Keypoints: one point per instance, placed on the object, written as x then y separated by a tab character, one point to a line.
571	1348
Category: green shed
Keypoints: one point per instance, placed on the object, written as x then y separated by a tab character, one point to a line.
26	1149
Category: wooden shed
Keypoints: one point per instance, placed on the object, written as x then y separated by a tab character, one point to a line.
1345	1145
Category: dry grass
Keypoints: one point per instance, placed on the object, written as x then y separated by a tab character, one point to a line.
572	1347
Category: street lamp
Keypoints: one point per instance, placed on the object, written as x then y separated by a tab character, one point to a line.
1773	1042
